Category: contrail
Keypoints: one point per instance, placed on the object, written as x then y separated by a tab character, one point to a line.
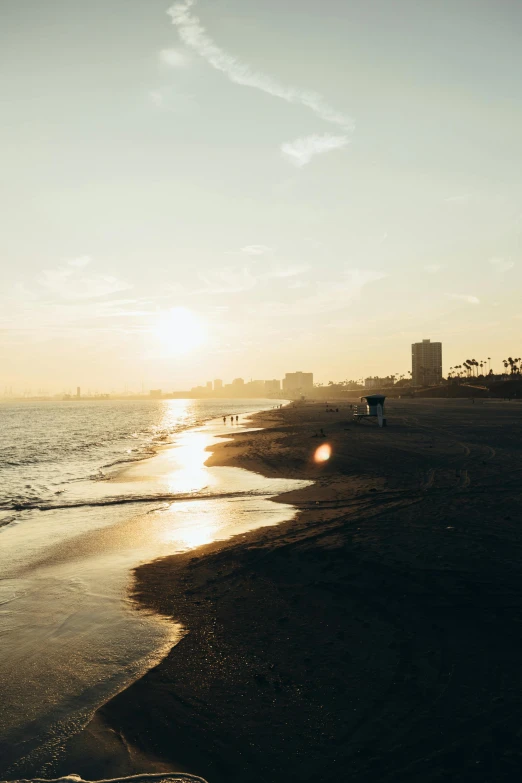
194	35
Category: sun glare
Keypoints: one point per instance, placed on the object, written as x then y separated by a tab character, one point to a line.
179	331
323	453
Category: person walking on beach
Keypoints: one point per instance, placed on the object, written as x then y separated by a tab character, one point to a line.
224	419
231	419
237	419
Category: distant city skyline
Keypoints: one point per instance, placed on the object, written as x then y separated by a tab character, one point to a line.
426	370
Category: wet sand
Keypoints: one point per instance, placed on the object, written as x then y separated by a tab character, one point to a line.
376	636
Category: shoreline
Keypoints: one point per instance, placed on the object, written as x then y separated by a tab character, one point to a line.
72	631
331	642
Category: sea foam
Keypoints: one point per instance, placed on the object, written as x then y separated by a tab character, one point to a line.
165	777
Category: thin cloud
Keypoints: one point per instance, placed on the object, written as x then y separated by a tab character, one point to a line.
233	279
195	37
167	98
256	250
80	262
283	272
228	280
70	282
469	298
462	198
157	97
302	150
327	297
173	58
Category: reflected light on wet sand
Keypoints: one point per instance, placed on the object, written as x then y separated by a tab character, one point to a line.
188	527
189	473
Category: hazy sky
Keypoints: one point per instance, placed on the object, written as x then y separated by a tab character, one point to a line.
317	185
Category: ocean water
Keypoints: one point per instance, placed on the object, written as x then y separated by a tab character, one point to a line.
47	446
89	491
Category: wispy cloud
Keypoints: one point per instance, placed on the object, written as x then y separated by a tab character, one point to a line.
462	198
256	250
432	269
469	298
234	279
302	150
227	280
282	272
502	264
327	297
168	98
195	37
157	97
80	262
71	281
173	58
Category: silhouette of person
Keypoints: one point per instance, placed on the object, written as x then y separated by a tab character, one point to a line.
224	419
237	418
231	419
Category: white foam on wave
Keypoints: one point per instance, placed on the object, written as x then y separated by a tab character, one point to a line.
165	777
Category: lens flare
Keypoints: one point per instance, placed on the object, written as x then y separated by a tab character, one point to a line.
323	453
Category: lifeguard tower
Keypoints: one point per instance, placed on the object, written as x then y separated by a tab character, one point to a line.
374	408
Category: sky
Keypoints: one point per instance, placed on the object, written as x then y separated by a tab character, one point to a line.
206	190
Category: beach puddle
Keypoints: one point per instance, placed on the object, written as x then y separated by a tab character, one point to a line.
71	637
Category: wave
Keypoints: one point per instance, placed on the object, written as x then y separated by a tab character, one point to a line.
165	777
129	500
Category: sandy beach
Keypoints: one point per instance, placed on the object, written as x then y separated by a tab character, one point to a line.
376	636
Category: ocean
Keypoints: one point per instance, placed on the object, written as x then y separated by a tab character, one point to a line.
45	447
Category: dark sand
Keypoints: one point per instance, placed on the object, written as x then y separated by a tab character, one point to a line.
377	637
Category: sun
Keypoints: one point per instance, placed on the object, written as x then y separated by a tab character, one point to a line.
179	331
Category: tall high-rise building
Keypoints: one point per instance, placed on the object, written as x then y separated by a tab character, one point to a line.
209	385
426	363
298	383
218	384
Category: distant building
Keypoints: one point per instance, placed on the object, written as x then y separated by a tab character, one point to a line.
426	363
298	383
209	385
155	394
255	388
272	387
218	384
78	391
238	382
378	383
